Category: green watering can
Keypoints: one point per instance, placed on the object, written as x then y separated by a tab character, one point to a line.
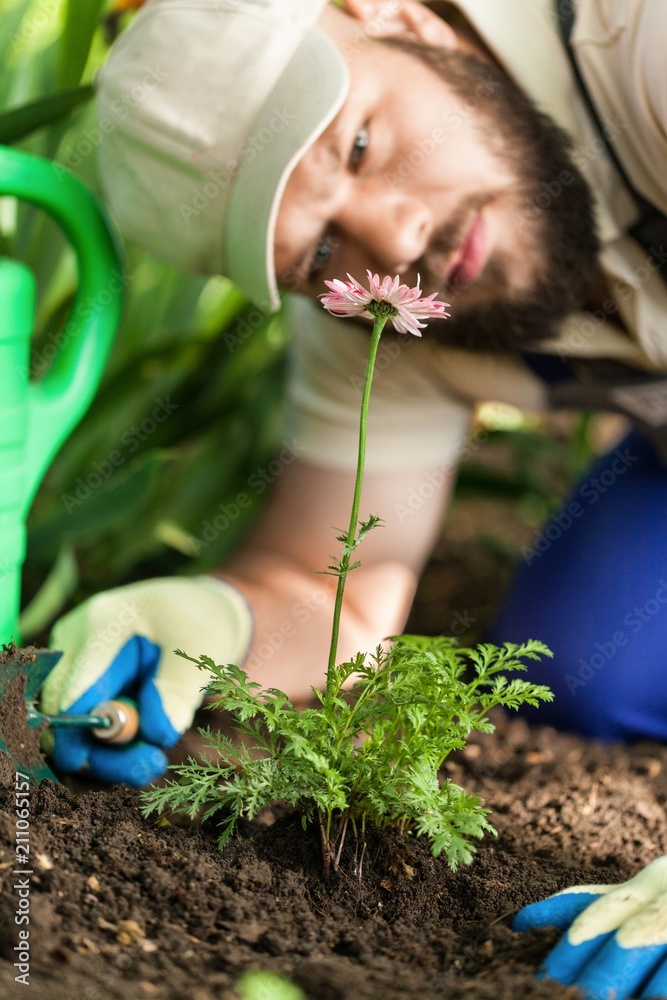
37	416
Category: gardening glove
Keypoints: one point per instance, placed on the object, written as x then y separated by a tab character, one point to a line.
616	940
121	643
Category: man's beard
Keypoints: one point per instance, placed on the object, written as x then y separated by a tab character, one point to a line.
557	217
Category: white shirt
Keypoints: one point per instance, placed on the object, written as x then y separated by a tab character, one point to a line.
423	394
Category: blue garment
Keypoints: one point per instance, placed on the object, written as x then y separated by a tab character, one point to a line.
594	589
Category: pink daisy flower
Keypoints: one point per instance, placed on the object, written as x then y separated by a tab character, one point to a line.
402	304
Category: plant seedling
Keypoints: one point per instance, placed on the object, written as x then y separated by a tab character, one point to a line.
371	753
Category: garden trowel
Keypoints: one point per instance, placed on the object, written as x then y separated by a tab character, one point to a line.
22	673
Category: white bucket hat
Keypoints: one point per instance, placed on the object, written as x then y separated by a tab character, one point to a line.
205	108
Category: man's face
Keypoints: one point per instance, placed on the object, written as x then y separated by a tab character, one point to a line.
436	166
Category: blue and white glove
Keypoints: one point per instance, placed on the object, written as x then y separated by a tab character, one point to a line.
616	940
121	643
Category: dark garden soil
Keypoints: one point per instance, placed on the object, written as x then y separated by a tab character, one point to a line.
21	743
123	908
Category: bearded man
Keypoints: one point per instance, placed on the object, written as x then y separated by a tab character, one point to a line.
285	142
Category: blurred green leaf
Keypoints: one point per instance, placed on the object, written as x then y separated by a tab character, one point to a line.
52	596
81	22
19	122
11	38
263	985
92	505
194	340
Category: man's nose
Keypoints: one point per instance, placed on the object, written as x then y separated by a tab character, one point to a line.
392	226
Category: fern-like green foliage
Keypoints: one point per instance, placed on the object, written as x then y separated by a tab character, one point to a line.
371	754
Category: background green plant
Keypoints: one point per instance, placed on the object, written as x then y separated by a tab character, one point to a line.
262	985
196	341
371	755
183	339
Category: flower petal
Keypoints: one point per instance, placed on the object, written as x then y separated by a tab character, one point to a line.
350	298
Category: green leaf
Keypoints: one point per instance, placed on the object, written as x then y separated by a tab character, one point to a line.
90	507
11	38
375	759
52	596
81	21
261	985
19	122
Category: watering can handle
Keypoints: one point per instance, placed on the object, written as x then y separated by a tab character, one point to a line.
57	402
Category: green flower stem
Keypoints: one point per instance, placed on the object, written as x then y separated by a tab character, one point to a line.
378	327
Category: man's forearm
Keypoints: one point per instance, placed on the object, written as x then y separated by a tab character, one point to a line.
293	611
279	571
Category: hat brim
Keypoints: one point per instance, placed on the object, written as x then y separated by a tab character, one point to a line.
308	96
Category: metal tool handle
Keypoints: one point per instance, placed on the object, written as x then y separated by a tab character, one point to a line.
123	717
114	721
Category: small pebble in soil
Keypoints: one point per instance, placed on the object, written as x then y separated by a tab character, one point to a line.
129	932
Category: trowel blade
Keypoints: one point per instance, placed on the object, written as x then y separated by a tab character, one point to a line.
22	673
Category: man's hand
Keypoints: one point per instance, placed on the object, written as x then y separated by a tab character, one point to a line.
122	642
616	940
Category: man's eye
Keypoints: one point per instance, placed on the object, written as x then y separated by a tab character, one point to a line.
359	147
320	258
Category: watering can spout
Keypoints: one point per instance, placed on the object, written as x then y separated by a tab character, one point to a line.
37	416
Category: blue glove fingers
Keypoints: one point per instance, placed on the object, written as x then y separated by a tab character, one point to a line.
137	764
619	972
70	749
566	961
556	911
657	985
154	725
130	673
134	665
